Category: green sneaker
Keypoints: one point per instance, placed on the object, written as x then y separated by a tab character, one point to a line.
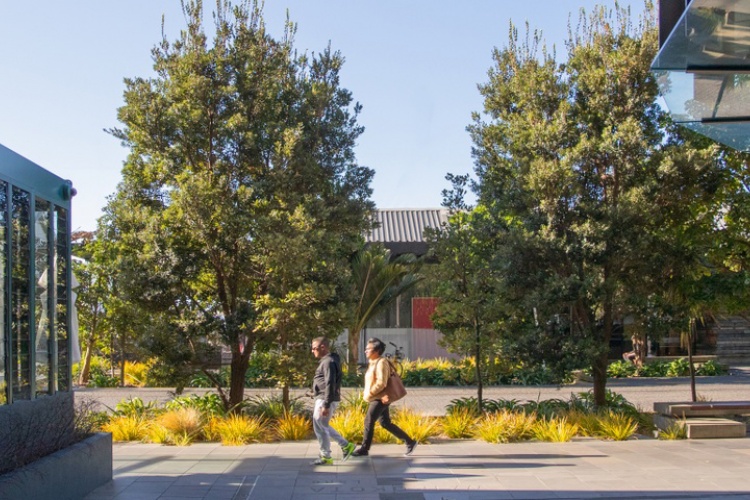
322	461
347	451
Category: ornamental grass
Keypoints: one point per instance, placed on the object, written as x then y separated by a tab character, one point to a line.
418	426
237	430
127	428
293	427
505	427
555	430
460	423
349	422
617	426
179	427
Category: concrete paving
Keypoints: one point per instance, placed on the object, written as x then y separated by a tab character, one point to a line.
449	469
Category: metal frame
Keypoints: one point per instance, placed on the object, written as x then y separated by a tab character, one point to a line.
19	172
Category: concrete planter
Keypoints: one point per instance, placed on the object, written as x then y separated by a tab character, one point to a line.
70	473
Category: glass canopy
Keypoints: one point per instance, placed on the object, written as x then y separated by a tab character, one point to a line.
703	70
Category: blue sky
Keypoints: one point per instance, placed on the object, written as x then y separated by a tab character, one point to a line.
414	65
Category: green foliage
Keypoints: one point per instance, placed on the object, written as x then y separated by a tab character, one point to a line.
617	426
505	427
272	407
241	200
674	432
460	423
711	368
621	369
419	427
556	430
678	368
209	404
135	407
377	281
293	427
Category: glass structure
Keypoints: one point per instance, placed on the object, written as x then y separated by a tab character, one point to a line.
35	279
703	70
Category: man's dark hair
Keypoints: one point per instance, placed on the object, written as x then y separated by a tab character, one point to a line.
377	344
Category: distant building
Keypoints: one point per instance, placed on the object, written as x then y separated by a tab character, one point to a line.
406	323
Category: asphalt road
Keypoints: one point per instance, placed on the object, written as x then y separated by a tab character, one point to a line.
643	392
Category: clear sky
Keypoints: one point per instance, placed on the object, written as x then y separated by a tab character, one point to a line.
414	65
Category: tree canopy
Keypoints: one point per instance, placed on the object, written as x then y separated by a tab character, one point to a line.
241	200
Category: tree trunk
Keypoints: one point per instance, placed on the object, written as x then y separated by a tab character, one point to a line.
353	351
599	367
478	364
238	367
285	397
691	330
83	377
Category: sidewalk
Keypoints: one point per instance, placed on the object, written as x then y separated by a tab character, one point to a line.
447	470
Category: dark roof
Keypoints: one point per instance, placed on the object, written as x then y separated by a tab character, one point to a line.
401	230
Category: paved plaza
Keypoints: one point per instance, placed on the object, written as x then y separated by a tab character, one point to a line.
449	469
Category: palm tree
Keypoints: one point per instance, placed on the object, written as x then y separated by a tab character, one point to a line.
378	281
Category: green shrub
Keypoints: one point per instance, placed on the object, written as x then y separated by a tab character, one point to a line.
679	368
209	404
711	368
621	369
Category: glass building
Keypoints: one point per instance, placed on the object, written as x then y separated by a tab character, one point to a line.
35	273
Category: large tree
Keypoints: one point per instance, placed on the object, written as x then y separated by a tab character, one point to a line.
570	160
241	198
471	312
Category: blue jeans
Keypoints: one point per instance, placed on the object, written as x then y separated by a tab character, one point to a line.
323	431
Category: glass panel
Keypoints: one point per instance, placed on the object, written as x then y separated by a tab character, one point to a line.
60	228
3	287
43	333
710	33
20	353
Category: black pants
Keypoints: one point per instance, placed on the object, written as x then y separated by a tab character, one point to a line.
378	412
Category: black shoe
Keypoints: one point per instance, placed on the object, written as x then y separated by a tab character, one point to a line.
359	452
410	448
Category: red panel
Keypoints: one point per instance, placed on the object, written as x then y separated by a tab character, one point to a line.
421	310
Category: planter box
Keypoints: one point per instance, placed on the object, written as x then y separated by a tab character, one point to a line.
70	473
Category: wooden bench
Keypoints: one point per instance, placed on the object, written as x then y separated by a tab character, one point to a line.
703	419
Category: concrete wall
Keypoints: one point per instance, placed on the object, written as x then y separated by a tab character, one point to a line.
30	429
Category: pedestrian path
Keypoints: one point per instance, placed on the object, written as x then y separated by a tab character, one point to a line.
443	470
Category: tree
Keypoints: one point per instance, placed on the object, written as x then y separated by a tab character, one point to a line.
241	197
571	163
377	283
470	313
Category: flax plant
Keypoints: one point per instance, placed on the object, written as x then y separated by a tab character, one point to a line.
418	426
460	423
127	428
505	427
555	430
617	426
293	427
349	422
236	430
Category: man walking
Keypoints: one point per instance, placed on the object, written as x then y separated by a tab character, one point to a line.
327	394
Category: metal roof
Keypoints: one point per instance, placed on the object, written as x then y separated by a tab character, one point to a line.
401	230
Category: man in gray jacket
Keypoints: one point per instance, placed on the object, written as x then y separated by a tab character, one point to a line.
327	394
